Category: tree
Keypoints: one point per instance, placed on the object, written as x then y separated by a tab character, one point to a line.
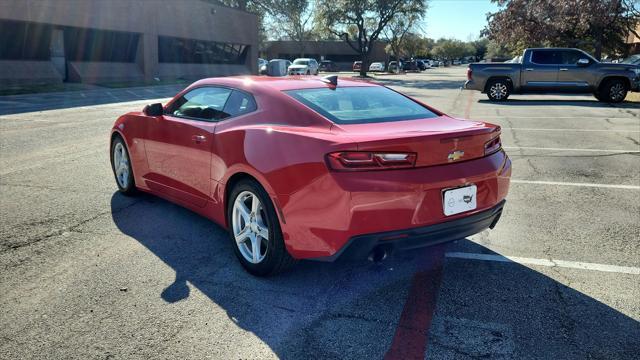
398	29
451	49
292	20
593	25
480	48
415	45
360	22
498	51
288	19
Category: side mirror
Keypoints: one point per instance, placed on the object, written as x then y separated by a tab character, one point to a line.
583	62
153	110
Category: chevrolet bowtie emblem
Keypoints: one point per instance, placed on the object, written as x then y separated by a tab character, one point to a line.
455	155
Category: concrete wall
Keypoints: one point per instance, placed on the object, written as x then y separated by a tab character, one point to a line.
191	19
28	72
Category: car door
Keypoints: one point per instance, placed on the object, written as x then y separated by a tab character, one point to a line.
178	145
573	76
541	70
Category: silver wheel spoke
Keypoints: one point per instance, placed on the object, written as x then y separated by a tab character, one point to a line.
243	235
263	233
249	229
121	165
255	248
243	210
255	205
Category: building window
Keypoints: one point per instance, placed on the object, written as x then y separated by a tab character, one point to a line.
191	51
24	41
100	45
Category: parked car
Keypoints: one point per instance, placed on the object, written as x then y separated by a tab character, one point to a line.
261	63
410	65
376	67
632	60
301	187
304	66
264	68
515	60
554	70
328	66
423	64
455	62
357	65
394	67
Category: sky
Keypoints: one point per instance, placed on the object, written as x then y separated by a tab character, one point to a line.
458	19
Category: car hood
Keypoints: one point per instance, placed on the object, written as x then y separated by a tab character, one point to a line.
617	66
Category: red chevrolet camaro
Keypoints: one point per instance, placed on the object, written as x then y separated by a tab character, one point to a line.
314	168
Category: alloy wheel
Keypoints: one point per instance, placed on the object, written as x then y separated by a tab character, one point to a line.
617	92
250	230
121	165
498	91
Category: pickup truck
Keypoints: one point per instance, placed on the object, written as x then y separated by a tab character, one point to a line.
552	70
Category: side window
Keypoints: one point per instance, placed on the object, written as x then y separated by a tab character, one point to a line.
571	57
545	57
205	103
240	103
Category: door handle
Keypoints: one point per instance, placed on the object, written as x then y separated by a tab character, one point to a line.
528	69
564	69
199	138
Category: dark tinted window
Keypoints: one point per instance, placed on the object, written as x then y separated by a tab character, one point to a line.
205	103
545	57
358	105
571	57
178	50
24	41
239	103
100	45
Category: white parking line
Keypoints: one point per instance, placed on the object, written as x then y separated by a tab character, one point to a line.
573	130
546	262
559	183
569	149
554	117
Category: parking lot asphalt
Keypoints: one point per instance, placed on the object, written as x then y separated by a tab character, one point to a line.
86	273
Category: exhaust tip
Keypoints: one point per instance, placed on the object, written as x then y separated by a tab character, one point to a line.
378	254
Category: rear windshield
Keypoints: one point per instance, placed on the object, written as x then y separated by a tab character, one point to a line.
359	105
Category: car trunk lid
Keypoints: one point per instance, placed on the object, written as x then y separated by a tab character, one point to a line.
435	141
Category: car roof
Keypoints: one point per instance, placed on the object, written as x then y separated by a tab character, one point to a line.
554	48
253	83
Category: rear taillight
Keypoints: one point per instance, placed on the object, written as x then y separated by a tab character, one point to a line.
364	160
469	73
492	146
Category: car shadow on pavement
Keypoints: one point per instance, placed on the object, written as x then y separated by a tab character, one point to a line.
352	310
568	102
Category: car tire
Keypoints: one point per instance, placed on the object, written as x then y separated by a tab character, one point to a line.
122	168
259	254
598	96
498	90
613	91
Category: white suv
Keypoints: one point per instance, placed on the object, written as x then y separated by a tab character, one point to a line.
303	66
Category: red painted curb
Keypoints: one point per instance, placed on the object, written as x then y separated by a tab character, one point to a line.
411	337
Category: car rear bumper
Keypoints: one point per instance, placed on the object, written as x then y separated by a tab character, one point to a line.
321	218
361	247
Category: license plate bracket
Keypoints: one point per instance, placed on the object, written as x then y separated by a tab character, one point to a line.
459	200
